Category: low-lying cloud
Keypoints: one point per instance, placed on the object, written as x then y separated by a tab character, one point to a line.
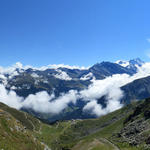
40	102
10	98
108	87
45	103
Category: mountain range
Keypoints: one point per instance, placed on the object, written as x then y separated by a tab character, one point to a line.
103	107
68	87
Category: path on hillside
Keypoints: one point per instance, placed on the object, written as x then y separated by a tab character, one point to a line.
115	147
40	129
45	146
25	114
100	143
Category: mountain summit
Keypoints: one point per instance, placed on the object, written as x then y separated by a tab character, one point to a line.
131	64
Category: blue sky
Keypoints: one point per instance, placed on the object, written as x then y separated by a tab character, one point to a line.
75	32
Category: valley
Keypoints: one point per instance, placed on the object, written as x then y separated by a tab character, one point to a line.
118	130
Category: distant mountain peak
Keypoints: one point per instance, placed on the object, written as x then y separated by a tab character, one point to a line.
136	61
122	63
131	63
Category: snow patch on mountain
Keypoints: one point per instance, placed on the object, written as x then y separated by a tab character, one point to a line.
133	64
122	63
62	75
87	76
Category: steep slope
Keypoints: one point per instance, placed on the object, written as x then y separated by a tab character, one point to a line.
136	130
104	69
125	129
16	130
136	90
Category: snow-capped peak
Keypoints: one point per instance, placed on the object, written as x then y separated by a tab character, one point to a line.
122	63
131	63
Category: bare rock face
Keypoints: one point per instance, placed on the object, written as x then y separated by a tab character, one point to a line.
147	140
132	133
147	114
137	126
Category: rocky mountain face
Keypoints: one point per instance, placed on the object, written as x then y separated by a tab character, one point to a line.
131	64
29	81
136	127
136	90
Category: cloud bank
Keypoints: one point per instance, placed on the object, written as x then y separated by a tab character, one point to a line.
40	102
108	87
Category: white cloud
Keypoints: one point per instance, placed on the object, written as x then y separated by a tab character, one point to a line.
2	77
102	87
56	66
11	70
110	87
42	102
18	65
35	75
10	98
94	108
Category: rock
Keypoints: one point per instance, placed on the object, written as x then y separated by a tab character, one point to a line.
147	114
147	140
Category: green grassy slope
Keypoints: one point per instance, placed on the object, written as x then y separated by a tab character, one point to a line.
106	132
125	129
16	130
71	134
